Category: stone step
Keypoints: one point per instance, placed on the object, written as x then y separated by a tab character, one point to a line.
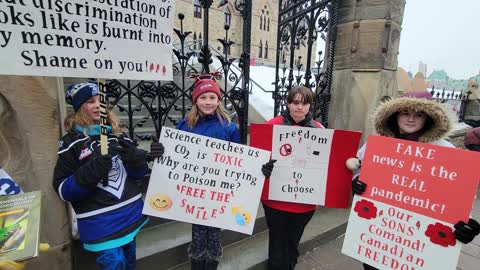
162	244
252	252
142	130
165	246
138	116
155	222
123	117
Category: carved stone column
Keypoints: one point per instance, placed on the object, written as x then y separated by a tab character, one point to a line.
368	36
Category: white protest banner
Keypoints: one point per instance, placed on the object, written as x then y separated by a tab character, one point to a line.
206	181
302	155
117	39
403	220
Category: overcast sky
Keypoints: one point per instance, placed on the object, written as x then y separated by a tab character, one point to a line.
443	34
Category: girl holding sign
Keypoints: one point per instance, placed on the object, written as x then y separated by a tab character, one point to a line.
101	188
286	221
413	117
209	118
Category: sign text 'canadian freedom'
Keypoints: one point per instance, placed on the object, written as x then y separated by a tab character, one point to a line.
206	181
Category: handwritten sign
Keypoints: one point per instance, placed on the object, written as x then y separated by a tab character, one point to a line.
405	218
310	165
302	156
93	38
206	181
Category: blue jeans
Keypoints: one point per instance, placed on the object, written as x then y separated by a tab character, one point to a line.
120	258
205	243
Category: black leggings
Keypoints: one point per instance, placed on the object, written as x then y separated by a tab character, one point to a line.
368	267
285	231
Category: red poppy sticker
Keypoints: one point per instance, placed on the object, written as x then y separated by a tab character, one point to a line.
366	209
441	235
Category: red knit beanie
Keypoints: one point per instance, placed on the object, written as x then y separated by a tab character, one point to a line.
473	136
203	86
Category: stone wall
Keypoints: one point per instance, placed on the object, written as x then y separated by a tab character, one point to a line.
368	36
30	128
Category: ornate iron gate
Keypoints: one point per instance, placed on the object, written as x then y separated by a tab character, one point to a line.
161	104
301	24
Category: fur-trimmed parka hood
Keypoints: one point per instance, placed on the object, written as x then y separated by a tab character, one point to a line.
384	118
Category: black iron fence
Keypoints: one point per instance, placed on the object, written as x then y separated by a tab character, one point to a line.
302	24
454	100
157	104
147	106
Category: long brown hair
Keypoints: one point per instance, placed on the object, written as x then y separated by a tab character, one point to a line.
81	118
192	117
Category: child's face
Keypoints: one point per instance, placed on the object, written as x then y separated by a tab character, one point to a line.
207	103
91	107
411	121
298	108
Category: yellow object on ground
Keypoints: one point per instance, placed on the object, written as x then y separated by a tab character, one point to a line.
43	246
12	265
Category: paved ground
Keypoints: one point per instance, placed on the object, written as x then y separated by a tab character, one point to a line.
330	257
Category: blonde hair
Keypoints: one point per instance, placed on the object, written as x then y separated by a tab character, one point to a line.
81	118
192	117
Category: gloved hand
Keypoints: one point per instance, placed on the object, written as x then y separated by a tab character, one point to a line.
267	168
94	171
353	164
465	232
156	149
358	187
131	156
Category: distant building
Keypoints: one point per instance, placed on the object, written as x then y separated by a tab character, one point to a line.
422	68
263	28
440	79
410	74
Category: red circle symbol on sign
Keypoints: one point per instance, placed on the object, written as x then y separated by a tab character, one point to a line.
285	150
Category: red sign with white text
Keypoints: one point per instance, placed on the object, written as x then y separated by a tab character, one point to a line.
415	194
435	181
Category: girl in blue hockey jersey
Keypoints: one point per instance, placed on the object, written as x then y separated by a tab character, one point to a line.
101	188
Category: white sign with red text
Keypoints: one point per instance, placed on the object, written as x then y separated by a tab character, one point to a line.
206	181
389	237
